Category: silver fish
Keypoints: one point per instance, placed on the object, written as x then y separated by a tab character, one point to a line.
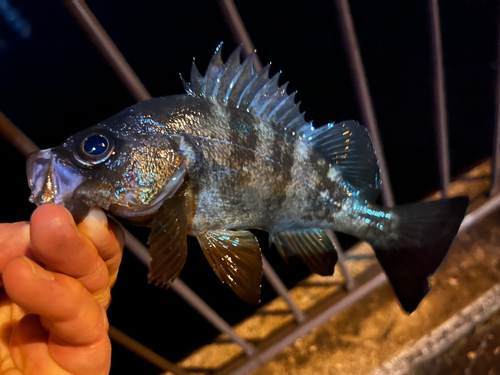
235	153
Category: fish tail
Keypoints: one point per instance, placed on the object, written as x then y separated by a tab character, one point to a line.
424	235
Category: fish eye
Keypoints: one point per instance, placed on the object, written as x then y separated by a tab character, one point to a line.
93	148
95	145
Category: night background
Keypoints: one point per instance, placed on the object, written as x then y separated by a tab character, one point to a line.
53	83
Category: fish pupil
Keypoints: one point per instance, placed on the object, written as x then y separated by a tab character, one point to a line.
95	145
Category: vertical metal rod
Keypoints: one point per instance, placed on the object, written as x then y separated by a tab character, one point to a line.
495	169
363	93
84	16
240	34
16	137
140	251
440	99
280	288
350	283
144	352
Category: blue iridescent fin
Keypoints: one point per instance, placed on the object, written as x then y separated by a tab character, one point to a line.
347	147
239	85
311	246
236	259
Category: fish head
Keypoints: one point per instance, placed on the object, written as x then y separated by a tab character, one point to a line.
129	173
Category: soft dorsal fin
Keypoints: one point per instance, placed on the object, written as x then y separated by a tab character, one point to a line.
239	85
347	147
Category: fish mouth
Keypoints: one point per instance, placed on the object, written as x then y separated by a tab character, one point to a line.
135	209
50	181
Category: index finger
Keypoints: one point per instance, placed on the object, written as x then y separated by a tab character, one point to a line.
58	244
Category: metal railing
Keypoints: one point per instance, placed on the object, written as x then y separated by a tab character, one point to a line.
84	16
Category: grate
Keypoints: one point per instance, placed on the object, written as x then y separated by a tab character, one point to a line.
111	53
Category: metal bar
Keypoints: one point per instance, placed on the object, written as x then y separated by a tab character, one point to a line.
144	352
495	169
479	213
308	326
440	99
84	16
363	93
140	251
439	339
16	137
280	288
350	283
240	34
199	305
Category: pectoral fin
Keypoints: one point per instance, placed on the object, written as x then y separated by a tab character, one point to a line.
236	259
311	246
168	241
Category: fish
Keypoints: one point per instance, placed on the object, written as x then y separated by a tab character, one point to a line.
235	153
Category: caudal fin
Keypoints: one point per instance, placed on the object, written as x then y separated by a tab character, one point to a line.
425	233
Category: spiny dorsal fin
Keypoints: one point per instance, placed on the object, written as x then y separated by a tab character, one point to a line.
239	85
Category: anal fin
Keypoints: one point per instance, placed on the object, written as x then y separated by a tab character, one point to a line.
168	241
311	246
236	259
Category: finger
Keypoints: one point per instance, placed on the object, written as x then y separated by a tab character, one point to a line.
57	243
107	237
34	350
72	314
14	241
10	315
77	323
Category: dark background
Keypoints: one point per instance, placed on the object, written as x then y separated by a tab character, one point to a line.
53	82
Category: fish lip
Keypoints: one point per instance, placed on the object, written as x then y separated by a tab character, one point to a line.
173	184
50	181
38	167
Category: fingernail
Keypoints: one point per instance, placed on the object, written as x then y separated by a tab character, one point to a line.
39	271
98	215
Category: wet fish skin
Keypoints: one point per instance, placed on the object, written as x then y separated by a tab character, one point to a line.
233	154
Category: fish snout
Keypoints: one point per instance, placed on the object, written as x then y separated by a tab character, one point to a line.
51	180
38	170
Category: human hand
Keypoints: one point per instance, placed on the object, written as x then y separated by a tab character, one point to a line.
53	319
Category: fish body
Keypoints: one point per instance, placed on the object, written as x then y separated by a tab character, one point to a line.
235	153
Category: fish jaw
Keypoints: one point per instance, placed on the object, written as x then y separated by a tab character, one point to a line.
50	180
